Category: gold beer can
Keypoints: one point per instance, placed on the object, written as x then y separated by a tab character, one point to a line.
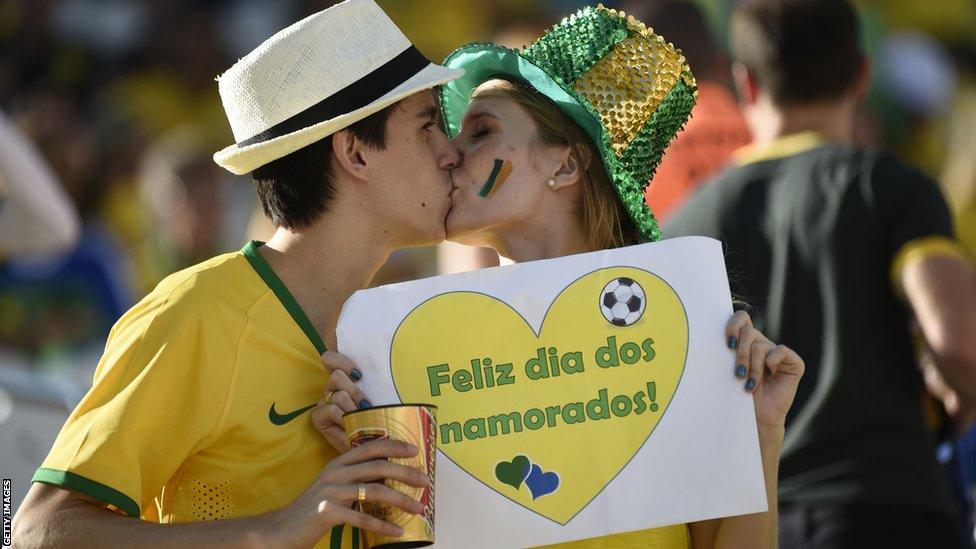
415	424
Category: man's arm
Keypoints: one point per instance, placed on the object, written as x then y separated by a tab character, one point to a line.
928	267
941	290
54	517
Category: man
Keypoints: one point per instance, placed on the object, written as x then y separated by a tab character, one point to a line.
199	409
835	247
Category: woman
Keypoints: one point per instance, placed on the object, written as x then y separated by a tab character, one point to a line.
558	142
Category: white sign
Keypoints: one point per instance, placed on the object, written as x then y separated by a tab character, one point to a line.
577	397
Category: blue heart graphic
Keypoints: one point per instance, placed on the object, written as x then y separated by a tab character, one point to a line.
541	484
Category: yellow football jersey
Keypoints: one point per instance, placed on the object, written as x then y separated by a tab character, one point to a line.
199	407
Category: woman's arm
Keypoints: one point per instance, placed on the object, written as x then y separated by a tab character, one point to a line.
54	517
755	530
772	373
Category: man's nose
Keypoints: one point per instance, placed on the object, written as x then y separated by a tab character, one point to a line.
449	157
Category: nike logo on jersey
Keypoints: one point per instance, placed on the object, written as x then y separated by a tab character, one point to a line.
281	419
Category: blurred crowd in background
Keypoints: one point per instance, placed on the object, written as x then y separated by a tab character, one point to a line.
118	98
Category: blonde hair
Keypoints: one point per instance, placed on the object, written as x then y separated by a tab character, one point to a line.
605	221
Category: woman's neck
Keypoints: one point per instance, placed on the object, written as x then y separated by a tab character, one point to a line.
542	237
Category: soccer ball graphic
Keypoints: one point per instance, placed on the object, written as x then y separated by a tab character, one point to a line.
622	301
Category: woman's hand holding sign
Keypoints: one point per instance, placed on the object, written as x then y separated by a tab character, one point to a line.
340	396
771	372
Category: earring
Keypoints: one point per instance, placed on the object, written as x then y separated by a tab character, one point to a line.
551	182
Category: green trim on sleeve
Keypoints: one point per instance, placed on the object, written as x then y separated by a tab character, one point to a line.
89	487
335	537
267	274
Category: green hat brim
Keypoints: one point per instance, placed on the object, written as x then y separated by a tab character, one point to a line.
483	62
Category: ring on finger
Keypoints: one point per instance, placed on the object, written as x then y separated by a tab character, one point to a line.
362	493
328	398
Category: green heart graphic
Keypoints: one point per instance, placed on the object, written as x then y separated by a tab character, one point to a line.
513	472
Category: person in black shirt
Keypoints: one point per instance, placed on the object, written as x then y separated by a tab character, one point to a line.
835	247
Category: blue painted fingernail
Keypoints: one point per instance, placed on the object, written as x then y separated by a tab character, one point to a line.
356	375
751	384
365	404
733	342
740	371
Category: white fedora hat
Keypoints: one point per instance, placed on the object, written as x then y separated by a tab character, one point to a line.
317	77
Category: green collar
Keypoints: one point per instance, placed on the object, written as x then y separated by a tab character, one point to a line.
267	274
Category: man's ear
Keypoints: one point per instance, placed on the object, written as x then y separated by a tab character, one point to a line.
571	162
351	154
746	84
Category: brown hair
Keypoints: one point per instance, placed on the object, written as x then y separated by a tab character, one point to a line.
605	221
802	51
297	188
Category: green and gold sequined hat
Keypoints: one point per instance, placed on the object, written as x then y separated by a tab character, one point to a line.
624	85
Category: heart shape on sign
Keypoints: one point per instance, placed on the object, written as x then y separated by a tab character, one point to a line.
541	484
514	472
582	395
